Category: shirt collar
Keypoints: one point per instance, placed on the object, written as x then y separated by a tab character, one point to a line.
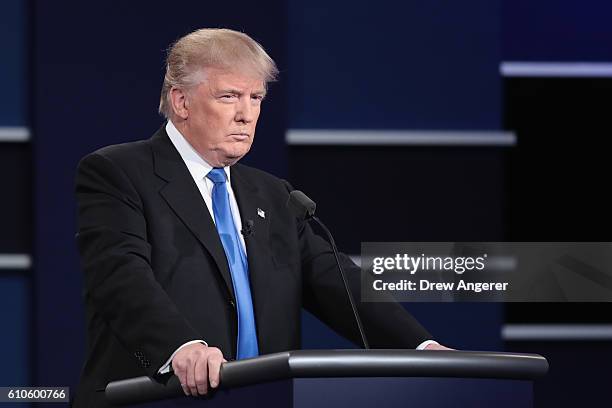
197	166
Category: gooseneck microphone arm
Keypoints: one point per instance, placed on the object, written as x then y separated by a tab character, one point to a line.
304	208
349	293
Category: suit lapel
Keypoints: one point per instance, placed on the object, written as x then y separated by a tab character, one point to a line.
254	207
183	196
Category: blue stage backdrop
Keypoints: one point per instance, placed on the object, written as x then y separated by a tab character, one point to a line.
395	65
391	65
98	69
14	69
552	30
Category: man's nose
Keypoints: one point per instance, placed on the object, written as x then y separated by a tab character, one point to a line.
245	111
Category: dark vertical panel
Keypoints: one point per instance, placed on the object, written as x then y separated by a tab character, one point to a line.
558	179
409	194
559	172
98	68
16	199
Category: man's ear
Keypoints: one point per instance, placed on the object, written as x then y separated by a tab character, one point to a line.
178	100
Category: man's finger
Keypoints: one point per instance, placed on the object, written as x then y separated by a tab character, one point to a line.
193	390
201	375
181	374
214	366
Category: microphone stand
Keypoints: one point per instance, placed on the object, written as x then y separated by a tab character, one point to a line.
366	345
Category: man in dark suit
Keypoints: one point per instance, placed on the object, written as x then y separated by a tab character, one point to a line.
191	259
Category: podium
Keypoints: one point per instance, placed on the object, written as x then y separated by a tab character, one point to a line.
353	378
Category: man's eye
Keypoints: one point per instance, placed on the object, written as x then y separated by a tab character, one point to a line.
257	97
228	96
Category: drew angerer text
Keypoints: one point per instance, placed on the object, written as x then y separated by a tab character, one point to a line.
425	285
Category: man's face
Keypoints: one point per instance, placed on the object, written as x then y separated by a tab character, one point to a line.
222	115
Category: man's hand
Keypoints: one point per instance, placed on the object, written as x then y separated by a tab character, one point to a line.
436	346
196	365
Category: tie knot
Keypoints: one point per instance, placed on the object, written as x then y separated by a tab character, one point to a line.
217	175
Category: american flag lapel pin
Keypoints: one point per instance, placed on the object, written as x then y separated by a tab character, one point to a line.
261	213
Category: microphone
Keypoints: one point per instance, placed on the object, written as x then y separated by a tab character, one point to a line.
248	228
304	208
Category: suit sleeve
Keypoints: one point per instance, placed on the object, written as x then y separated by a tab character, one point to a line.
119	284
386	325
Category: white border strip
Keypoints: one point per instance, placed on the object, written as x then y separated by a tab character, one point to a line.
329	137
557	332
14	134
15	261
556	69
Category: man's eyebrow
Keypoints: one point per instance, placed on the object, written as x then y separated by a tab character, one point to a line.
259	92
230	91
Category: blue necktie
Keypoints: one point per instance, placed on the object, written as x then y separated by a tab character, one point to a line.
236	258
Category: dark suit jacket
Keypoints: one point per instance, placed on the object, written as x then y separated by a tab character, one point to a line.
155	274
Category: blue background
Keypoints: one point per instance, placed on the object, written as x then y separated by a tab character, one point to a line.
81	75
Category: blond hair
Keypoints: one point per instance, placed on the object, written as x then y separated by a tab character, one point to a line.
222	48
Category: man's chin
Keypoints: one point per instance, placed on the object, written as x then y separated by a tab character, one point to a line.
228	162
231	160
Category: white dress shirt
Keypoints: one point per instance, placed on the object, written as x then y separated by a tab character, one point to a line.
199	168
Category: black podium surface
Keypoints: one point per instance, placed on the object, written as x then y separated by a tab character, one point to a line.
355	378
